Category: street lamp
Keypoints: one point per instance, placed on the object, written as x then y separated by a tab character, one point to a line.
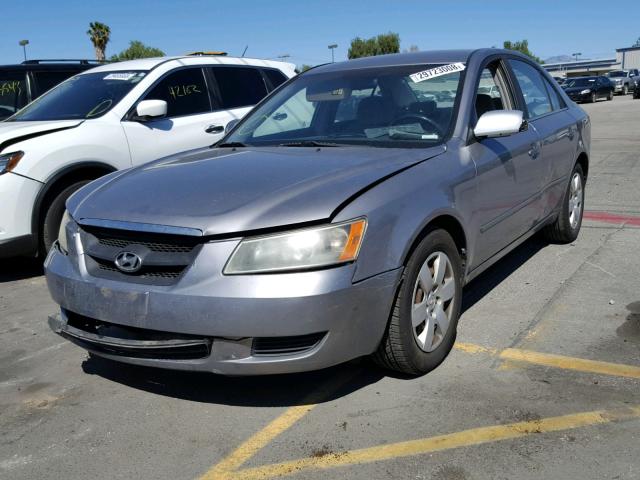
23	44
576	55
332	47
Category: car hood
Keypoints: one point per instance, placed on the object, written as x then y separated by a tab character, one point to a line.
14	132
221	191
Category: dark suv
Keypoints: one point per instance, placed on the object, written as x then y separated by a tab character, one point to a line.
24	82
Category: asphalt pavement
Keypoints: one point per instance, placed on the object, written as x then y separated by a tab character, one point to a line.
544	381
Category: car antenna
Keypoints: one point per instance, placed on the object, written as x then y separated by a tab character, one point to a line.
244	51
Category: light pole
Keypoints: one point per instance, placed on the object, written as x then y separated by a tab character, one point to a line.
576	55
332	47
23	44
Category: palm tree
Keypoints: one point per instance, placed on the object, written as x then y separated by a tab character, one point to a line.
99	35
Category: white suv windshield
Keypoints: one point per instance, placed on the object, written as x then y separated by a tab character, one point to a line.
381	107
617	74
85	96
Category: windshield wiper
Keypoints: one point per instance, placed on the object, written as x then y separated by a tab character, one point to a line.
229	145
309	143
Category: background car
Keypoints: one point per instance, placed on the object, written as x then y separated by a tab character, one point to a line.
113	117
341	218
588	89
636	89
24	82
622	80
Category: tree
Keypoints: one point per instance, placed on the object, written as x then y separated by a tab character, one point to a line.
412	48
380	45
637	44
522	47
304	67
99	34
137	49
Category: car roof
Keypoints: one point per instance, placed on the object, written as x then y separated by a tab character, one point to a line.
44	65
414	58
151	63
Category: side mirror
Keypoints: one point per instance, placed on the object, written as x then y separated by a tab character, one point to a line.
230	125
500	123
150	110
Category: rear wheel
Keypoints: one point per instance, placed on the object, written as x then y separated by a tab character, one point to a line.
422	327
52	216
567	226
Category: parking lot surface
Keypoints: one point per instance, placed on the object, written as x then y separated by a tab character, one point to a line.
544	381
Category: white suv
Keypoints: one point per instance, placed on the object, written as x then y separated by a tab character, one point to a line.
113	117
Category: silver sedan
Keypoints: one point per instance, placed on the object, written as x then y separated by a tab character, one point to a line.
341	218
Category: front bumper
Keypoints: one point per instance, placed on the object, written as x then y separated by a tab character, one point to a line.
580	97
228	312
17	198
618	88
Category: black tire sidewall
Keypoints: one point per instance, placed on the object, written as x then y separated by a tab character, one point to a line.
437	240
573	232
52	216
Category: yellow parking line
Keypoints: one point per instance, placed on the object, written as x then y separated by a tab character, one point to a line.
286	420
556	361
475	436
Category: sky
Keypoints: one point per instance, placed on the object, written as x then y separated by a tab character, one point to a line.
304	28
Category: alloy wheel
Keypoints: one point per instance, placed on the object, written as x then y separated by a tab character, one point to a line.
433	301
575	200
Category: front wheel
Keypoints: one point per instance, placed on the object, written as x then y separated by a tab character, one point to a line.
610	96
52	216
424	318
567	226
625	90
593	98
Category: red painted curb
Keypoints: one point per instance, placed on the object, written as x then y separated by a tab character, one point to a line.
606	217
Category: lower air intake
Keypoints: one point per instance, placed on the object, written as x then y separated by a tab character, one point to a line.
263	346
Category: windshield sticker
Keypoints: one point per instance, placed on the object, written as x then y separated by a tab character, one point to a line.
436	72
120	76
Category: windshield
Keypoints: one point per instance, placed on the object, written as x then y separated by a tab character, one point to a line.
618	73
85	96
381	107
13	93
580	82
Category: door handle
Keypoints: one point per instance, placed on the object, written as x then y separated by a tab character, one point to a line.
214	129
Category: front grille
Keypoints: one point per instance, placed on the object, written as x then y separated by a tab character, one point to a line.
153	246
164	257
285	345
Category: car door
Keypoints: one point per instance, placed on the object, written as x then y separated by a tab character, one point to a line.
557	131
190	122
237	88
507	171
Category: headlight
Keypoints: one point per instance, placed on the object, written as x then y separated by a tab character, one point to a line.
298	249
585	91
8	161
62	233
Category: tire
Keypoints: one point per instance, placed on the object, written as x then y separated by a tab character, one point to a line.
625	90
610	96
593	98
405	348
567	226
52	216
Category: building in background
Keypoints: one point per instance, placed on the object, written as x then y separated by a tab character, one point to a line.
625	59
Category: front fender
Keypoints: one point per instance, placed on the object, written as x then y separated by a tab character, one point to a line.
399	209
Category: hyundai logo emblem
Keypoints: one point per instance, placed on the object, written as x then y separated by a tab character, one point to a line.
128	262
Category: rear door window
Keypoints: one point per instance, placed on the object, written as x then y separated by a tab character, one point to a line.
275	77
556	101
45	81
533	89
13	93
185	92
239	86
